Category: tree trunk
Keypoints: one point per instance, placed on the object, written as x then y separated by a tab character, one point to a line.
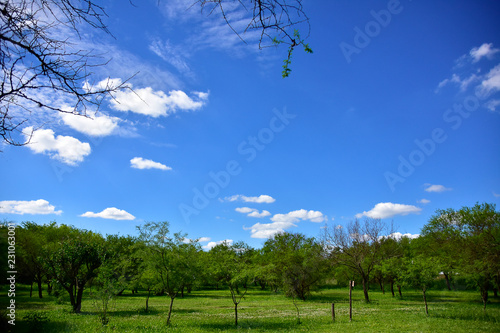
39	282
49	288
484	296
399	290
170	309
182	292
235	314
365	290
79	295
147	300
392	288
425	301
447	279
381	283
31	289
350	300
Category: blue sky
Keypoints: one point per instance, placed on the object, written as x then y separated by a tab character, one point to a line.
394	115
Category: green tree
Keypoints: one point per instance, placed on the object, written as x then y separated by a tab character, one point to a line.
74	261
420	272
168	256
231	266
471	242
31	239
359	246
298	262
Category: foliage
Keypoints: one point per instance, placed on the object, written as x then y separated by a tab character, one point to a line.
297	262
360	247
74	261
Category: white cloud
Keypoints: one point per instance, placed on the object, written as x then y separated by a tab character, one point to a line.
492	105
463	83
153	103
398	235
111	213
491	83
211	245
97	126
485	50
297	215
267	230
66	149
260	199
423	201
141	163
204	239
388	209
436	188
28	207
252	212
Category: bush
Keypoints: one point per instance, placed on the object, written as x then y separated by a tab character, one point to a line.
35	321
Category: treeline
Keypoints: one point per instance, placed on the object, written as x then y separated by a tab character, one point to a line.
454	245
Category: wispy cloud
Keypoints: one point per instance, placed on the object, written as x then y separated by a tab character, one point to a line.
28	207
111	213
436	188
485	50
423	201
263	198
141	163
66	149
388	209
252	212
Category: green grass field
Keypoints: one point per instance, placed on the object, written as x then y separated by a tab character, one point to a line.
264	311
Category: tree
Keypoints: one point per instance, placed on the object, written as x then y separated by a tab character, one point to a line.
358	247
31	238
297	261
231	266
420	272
36	60
74	261
471	236
169	257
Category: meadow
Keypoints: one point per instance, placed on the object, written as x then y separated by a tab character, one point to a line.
264	311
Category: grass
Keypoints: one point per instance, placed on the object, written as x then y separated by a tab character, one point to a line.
264	311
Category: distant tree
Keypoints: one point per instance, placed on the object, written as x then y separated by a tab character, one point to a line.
297	261
168	256
31	238
471	242
74	261
231	266
359	247
420	272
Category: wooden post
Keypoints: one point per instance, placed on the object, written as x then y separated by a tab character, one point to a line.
351	283
333	312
